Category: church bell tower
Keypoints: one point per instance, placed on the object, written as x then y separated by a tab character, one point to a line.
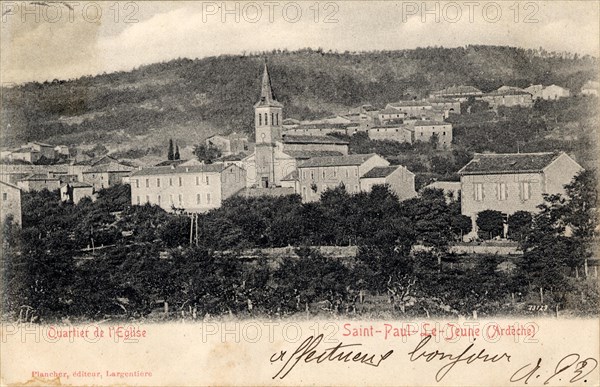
268	118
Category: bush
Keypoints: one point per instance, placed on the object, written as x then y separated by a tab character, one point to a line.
490	224
519	224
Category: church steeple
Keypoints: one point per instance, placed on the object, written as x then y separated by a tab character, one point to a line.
266	93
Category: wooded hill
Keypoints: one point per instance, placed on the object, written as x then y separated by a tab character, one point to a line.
190	99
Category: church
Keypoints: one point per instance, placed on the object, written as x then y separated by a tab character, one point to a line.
284	163
277	154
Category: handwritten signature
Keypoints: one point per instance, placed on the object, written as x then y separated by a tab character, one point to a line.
308	352
579	368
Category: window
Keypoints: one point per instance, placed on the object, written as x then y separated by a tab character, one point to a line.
198	199
147	198
171	199
158	199
266	119
207	180
334	173
272	119
525	190
137	183
180	181
4	196
138	200
170	181
347	173
158	182
147	183
277	118
304	174
501	191
197	180
478	191
323	174
259	119
180	200
207	198
312	175
303	192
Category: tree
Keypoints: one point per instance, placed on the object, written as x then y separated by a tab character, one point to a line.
519	225
170	154
490	224
206	154
176	156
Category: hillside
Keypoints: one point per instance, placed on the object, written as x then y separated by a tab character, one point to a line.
189	99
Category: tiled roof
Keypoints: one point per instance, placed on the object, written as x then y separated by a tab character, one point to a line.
379	172
508	163
79	184
153	171
10	185
292	176
430	123
110	167
390	111
25	149
38	176
506	92
301	139
305	155
331	161
97	160
409	103
167	163
458	90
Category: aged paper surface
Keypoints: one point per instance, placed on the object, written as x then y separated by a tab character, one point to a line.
299	193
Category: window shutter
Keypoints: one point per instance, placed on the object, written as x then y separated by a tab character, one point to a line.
498	193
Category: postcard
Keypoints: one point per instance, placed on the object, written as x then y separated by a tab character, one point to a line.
265	193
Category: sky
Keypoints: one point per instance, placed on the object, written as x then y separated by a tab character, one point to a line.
62	40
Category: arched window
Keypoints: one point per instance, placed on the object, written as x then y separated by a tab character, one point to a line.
266	118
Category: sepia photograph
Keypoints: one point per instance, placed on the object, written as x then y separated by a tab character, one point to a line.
299	193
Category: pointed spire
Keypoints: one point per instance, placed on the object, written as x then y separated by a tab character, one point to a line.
266	93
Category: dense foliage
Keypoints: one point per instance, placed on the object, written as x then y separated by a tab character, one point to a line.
107	259
222	90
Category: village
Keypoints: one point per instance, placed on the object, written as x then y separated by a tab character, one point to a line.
288	156
377	212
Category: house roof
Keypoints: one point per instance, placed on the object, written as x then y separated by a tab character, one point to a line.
458	90
301	139
110	167
379	172
390	111
409	103
331	161
445	185
26	150
293	176
37	176
482	163
430	123
78	184
42	144
168	163
500	92
174	170
10	185
97	160
305	155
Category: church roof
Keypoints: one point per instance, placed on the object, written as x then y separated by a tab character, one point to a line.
334	161
267	98
303	139
307	154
